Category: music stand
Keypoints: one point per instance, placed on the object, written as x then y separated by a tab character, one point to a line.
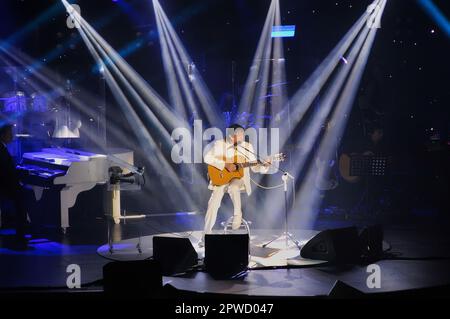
369	166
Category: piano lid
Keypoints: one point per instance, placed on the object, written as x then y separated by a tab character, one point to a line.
61	156
72	152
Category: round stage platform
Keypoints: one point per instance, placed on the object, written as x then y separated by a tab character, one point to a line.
279	271
275	254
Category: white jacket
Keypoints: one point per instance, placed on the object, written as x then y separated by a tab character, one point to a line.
222	148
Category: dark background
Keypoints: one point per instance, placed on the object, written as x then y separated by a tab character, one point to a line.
405	86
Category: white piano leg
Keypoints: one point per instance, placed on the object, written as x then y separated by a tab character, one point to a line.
69	196
64	216
116	203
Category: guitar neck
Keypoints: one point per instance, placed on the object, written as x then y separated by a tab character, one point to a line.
248	164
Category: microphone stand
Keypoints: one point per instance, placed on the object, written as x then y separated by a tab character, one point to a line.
286	175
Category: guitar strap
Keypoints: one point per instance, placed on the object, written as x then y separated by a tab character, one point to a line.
235	157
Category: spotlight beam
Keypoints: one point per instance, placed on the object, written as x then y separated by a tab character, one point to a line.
249	88
182	76
47	77
168	118
209	106
172	84
260	100
145	139
200	178
179	71
302	100
311	132
436	14
309	199
149	115
279	95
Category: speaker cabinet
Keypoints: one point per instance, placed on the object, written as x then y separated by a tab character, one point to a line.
132	278
226	255
339	246
371	242
175	255
342	290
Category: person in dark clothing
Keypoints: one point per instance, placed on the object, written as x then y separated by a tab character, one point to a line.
10	187
372	143
357	194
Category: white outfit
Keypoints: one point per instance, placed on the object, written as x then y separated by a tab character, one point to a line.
215	157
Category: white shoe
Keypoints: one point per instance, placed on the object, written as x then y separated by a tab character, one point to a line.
236	222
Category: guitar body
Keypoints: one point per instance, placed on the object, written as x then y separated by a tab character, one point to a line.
222	177
344	167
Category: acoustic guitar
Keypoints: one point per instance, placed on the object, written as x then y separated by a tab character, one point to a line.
344	167
222	177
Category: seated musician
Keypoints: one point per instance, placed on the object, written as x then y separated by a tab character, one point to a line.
11	194
225	156
354	191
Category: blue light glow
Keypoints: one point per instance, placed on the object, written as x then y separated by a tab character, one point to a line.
43	247
433	11
283	31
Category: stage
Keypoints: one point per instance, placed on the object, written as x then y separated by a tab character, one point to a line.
422	263
129	128
276	254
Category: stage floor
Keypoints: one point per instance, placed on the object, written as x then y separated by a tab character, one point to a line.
278	253
280	271
44	265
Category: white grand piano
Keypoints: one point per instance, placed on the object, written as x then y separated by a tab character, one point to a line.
74	171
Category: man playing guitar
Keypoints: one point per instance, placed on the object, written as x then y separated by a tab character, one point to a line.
230	158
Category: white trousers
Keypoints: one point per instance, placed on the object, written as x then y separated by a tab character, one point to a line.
234	190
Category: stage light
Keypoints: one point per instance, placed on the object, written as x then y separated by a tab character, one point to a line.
310	134
121	137
159	106
109	59
53	54
46	79
146	141
207	102
176	73
178	67
300	102
278	85
309	200
283	31
172	84
186	14
249	92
